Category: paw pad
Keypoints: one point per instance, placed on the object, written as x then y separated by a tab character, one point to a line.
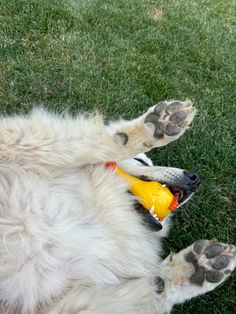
159	127
123	137
213	250
221	262
208	259
160	284
172	130
214	276
198	277
170	119
199	246
174	106
178	117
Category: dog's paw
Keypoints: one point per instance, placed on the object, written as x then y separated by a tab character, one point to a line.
198	269
212	262
167	121
160	125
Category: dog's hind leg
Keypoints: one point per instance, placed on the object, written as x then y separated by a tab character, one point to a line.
135	296
198	269
194	271
47	139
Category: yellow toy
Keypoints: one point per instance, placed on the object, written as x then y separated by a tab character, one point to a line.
154	196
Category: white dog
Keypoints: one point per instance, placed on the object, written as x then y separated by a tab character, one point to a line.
71	239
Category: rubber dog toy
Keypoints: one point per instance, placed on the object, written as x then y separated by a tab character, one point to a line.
154	196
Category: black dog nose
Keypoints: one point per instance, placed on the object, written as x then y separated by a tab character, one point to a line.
192	180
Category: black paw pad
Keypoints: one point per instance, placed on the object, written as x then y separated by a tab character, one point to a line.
214	276
160	284
174	106
198	277
178	117
214	249
199	246
172	130
153	118
123	137
221	262
160	108
191	258
159	127
159	132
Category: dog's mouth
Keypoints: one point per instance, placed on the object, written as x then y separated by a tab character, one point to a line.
181	190
183	187
182	195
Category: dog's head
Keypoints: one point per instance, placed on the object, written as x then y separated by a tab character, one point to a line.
181	182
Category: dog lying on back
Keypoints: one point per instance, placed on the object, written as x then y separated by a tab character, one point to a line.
73	239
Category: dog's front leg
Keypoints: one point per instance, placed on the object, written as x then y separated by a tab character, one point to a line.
47	139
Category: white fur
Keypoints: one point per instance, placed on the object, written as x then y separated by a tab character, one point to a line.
70	240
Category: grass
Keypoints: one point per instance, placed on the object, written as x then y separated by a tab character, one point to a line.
120	57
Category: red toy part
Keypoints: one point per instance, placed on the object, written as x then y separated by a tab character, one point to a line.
174	203
110	164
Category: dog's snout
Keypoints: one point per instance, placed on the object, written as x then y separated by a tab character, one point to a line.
192	179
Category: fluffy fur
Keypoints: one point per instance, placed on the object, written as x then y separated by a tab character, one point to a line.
70	238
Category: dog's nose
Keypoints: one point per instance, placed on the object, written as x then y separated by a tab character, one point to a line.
192	180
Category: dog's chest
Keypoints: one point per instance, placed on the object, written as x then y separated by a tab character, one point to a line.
115	229
105	196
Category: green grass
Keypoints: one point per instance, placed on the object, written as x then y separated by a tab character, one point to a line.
120	57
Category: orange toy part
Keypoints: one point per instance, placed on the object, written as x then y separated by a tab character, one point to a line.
154	196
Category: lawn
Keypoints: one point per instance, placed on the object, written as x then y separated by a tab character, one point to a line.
123	56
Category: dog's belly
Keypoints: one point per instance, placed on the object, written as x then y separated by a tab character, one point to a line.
105	206
77	225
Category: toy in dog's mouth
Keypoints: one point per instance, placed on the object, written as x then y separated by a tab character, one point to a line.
182	192
158	199
183	189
